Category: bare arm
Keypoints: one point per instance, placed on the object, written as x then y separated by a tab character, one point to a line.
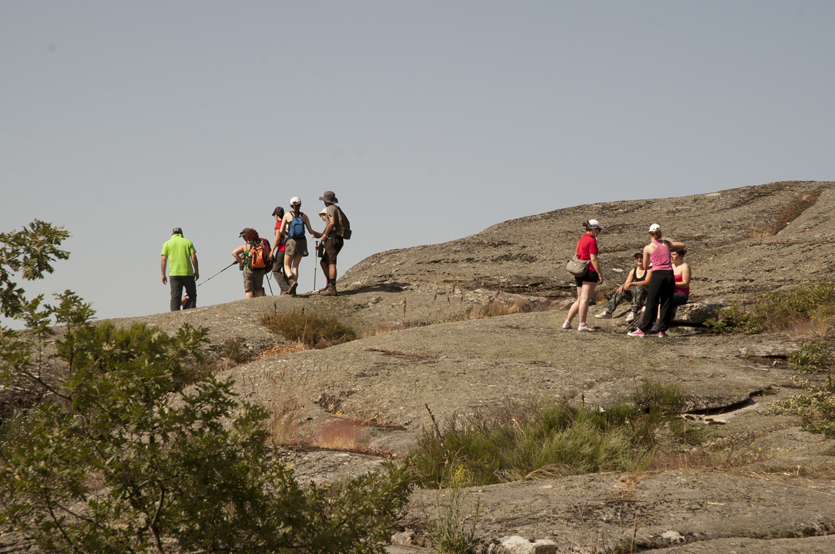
162	268
309	228
685	276
596	265
643	283
237	253
330	227
194	265
629	278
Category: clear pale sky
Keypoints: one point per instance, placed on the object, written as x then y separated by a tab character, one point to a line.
431	120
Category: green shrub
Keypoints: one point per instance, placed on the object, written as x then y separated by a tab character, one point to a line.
510	443
135	450
312	329
775	311
811	358
816	407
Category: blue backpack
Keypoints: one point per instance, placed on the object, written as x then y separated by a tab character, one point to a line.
296	230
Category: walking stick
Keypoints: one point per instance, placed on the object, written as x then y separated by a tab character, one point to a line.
270	285
315	255
218	273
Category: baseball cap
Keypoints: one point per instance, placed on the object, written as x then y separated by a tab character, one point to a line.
279	211
654	227
595	223
176	231
296	200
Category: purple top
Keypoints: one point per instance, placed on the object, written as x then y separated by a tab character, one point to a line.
661	257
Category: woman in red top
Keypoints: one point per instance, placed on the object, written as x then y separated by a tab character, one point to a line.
586	249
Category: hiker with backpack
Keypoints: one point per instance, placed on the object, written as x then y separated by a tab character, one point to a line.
254	255
278	248
292	228
338	228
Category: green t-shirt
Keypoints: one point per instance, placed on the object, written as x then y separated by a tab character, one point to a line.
179	251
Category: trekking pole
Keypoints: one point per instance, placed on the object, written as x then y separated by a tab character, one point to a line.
270	285
218	273
316	255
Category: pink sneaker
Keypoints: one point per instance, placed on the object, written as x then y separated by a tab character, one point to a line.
636	333
663	335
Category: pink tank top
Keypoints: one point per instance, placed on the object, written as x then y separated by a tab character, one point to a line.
661	257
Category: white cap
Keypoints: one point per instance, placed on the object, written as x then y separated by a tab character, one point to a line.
296	200
595	223
654	227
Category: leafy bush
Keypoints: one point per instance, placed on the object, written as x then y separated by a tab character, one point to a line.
811	357
312	329
775	311
134	450
816	407
509	444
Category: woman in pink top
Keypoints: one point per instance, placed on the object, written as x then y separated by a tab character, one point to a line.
586	249
661	285
681	272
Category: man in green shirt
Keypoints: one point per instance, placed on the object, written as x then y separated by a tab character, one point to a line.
184	271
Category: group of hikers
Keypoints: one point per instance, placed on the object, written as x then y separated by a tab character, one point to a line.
256	256
659	282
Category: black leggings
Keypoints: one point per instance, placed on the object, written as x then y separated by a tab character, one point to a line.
661	287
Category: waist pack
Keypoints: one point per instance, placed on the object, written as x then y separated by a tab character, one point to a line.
296	230
343	226
256	257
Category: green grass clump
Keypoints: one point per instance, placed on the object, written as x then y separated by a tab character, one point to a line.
816	407
314	330
811	358
776	311
510	443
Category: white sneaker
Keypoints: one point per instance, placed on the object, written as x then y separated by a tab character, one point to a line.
630	316
603	315
584	327
566	325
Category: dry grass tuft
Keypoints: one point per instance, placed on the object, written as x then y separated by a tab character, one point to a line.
340	434
280	349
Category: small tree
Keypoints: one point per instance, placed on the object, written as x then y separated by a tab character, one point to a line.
134	450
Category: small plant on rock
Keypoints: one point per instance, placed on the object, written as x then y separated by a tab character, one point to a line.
312	329
811	358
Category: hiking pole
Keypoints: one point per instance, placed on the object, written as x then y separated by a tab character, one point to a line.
270	285
218	273
315	255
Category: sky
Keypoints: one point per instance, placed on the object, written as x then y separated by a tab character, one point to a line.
430	120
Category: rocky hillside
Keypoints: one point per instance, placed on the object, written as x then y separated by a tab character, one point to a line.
418	349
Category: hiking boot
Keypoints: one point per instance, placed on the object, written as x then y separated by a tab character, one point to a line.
636	333
292	290
584	327
630	316
566	325
330	290
603	315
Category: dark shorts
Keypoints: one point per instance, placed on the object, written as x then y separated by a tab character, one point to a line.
589	277
296	247
333	245
253	279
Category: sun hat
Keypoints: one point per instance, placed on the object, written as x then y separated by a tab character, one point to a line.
324	211
242	233
295	201
595	223
329	197
654	227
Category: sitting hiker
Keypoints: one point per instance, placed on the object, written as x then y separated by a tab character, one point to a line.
681	272
636	293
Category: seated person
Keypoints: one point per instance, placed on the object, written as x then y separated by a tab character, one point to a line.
681	272
630	290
